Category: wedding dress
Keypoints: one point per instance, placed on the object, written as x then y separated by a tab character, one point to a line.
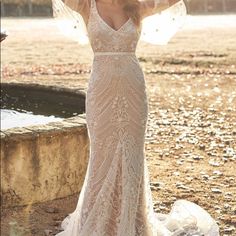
116	199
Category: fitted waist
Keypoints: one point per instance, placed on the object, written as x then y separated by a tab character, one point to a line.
113	53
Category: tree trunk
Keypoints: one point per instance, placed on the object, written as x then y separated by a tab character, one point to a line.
2	9
30	6
206	6
224	6
19	11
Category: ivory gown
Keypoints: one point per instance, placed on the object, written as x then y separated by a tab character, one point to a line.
115	199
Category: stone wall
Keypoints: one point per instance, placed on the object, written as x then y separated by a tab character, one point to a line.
41	163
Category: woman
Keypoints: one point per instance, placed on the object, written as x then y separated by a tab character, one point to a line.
116	199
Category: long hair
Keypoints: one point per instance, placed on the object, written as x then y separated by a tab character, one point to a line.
132	10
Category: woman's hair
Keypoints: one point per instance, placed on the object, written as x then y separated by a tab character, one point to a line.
131	8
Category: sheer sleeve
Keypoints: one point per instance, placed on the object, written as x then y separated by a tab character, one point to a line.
69	16
161	19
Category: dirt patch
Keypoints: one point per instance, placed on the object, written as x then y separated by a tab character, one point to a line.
191	134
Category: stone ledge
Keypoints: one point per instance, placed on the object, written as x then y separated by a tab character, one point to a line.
43	162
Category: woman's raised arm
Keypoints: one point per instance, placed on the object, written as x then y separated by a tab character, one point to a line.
150	7
80	6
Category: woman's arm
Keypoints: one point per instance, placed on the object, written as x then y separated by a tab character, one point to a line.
80	6
150	7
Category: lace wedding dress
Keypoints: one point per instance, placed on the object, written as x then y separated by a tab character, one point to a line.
116	199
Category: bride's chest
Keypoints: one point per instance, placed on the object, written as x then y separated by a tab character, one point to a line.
103	37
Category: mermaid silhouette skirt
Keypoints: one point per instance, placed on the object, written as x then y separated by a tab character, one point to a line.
116	199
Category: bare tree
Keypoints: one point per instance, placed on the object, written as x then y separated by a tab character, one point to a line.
224	6
206	6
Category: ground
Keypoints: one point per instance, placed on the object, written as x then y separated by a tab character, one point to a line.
191	133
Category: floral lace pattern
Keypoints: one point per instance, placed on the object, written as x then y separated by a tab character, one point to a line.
116	199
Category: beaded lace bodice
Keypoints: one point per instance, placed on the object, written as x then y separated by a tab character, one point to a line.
103	38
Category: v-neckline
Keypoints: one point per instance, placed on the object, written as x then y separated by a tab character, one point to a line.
105	23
